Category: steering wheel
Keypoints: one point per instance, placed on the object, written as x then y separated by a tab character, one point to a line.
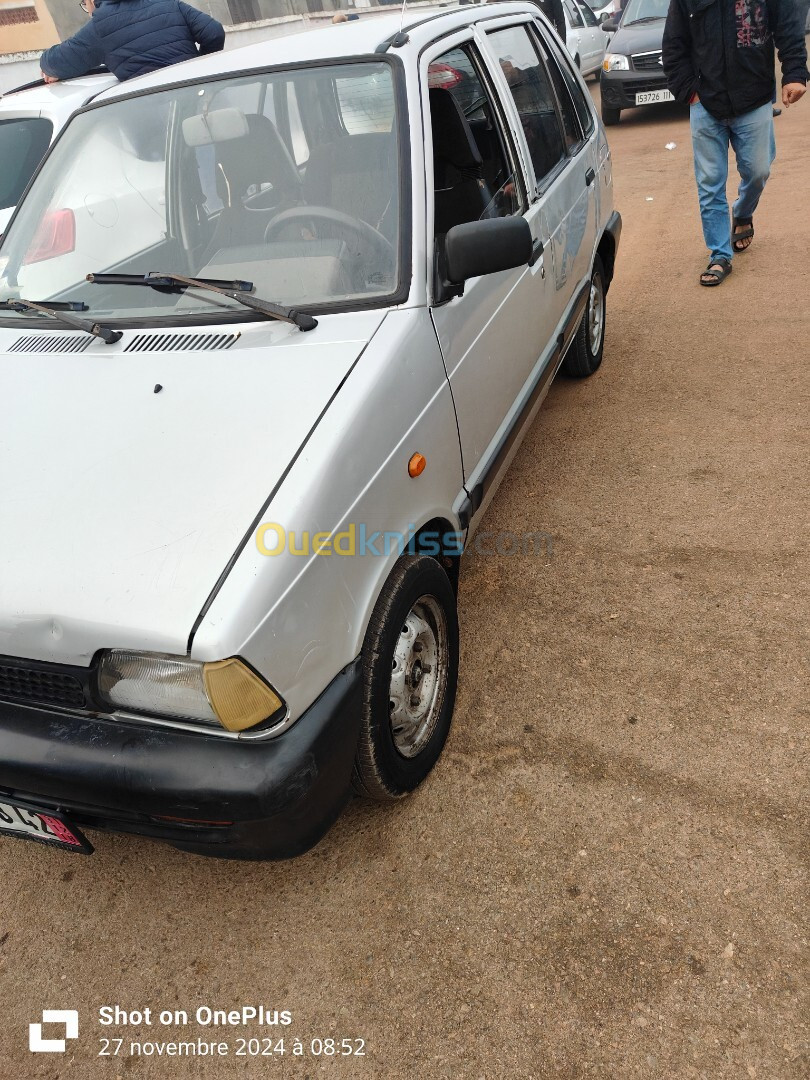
365	233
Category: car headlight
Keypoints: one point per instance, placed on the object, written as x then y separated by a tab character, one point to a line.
616	62
226	692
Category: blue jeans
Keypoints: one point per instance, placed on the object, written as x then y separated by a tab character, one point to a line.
752	139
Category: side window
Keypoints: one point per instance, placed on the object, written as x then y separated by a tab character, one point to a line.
588	15
474	176
571	128
573	13
581	103
533	96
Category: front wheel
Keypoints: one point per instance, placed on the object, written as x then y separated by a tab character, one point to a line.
585	354
410	671
610	117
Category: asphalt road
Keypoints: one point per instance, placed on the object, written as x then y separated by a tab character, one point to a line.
604	876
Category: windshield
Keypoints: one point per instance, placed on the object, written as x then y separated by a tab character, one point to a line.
640	10
289	180
23	142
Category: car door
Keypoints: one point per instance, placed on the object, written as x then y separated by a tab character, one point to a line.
495	337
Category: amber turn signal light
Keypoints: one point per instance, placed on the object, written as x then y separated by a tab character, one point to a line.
416	466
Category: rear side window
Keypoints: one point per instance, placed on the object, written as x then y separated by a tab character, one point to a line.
574	15
23	143
571	129
588	15
581	104
533	95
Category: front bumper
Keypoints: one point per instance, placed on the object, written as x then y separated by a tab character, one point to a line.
619	88
270	799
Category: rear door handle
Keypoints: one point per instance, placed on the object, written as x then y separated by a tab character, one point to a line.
590	176
537	251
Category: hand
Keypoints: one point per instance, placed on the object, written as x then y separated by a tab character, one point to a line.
792	92
48	78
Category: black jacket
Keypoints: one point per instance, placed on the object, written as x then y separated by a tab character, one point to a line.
723	50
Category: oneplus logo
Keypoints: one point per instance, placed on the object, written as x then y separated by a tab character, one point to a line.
68	1017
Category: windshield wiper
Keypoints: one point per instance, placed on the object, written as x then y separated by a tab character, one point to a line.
645	18
240	291
59	312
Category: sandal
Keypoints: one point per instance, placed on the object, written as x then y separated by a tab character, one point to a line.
747	233
718	276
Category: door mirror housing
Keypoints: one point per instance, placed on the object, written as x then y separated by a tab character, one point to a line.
486	247
610	26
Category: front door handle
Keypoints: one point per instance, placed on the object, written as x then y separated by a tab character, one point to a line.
590	176
537	251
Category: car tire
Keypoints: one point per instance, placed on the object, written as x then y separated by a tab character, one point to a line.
408	701
610	117
585	354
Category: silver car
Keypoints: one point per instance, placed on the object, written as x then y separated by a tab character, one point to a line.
253	415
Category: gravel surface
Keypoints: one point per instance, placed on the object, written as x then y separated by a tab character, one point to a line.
605	875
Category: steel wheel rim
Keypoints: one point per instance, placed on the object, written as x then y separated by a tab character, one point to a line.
596	315
418	676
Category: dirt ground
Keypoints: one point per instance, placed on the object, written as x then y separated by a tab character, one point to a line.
605	874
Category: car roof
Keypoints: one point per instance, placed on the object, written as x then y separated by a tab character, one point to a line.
71	94
360	37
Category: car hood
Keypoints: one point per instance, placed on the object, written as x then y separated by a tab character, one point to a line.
128	479
647	37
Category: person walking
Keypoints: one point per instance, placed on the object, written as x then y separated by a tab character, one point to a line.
718	57
133	37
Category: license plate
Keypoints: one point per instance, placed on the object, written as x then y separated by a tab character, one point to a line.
651	97
42	826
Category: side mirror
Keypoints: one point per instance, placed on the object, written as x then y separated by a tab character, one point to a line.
610	26
486	247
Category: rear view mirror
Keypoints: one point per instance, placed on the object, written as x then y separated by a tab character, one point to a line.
486	247
610	26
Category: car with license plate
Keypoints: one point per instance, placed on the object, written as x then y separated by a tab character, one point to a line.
30	119
633	68
242	455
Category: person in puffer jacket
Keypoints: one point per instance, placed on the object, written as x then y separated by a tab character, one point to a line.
133	37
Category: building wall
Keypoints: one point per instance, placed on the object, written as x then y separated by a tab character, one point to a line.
25	25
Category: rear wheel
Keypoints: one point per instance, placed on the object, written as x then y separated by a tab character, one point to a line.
610	117
585	354
410	670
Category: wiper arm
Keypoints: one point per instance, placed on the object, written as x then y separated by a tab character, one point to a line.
59	312
240	291
646	18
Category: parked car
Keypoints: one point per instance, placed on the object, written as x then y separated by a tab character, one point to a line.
30	119
584	38
243	461
633	68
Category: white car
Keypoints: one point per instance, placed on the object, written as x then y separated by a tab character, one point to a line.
239	463
30	119
585	39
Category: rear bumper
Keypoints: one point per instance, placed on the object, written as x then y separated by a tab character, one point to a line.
619	88
269	799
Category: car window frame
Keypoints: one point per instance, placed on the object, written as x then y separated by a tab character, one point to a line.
542	184
466	37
